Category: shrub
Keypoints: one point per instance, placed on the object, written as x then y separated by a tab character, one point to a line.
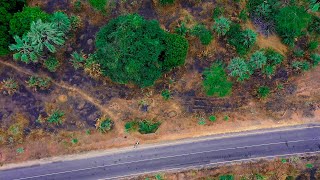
61	22
263	9
313	45
182	30
273	57
147	127
212	118
226	177
77	60
290	22
39	83
243	15
99	5
166	94
41	37
269	70
131	126
217	11
263	91
51	64
314	25
166	2
241	40
202	33
315	58
132	49
222	25
238	68
10	86
104	124
257	61
21	21
301	65
216	82
56	117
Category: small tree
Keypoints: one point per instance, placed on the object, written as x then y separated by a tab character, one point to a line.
216	82
222	25
238	68
257	60
25	50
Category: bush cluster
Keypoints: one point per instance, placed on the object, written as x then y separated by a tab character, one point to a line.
202	33
166	2
104	124
143	126
39	82
131	49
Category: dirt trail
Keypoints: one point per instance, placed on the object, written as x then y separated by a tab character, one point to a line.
63	85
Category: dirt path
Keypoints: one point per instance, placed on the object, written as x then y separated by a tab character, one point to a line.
63	85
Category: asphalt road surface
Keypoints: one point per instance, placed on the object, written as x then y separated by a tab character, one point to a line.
179	155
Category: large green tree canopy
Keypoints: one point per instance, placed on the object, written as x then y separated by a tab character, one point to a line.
131	49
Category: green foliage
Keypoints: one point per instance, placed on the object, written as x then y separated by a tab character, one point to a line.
226	118
314	5
314	26
51	64
132	49
147	127
291	21
269	70
104	125
21	21
41	37
61	22
238	68
20	150
9	85
263	91
263	9
39	83
212	118
217	11
201	121
166	94
159	177
131	126
74	140
273	57
226	177
182	30
257	61
243	15
77	5
166	2
289	178
202	33
313	45
56	117
77	60
216	81
242	40
309	166
222	25
315	58
99	5
259	177
301	65
7	9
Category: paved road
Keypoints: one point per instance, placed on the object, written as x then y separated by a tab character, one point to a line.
196	152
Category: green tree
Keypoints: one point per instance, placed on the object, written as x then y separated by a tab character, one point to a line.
20	22
257	61
238	68
216	81
132	49
61	22
222	25
291	21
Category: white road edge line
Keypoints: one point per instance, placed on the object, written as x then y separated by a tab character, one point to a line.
96	167
211	164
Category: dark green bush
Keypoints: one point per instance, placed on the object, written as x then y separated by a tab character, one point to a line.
242	40
166	2
147	127
182	29
315	58
216	81
132	49
131	126
56	117
99	5
314	26
7	9
221	25
313	45
291	21
104	124
263	91
217	11
243	15
51	64
39	83
239	68
202	33
21	21
226	177
257	61
273	57
301	65
166	94
263	9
